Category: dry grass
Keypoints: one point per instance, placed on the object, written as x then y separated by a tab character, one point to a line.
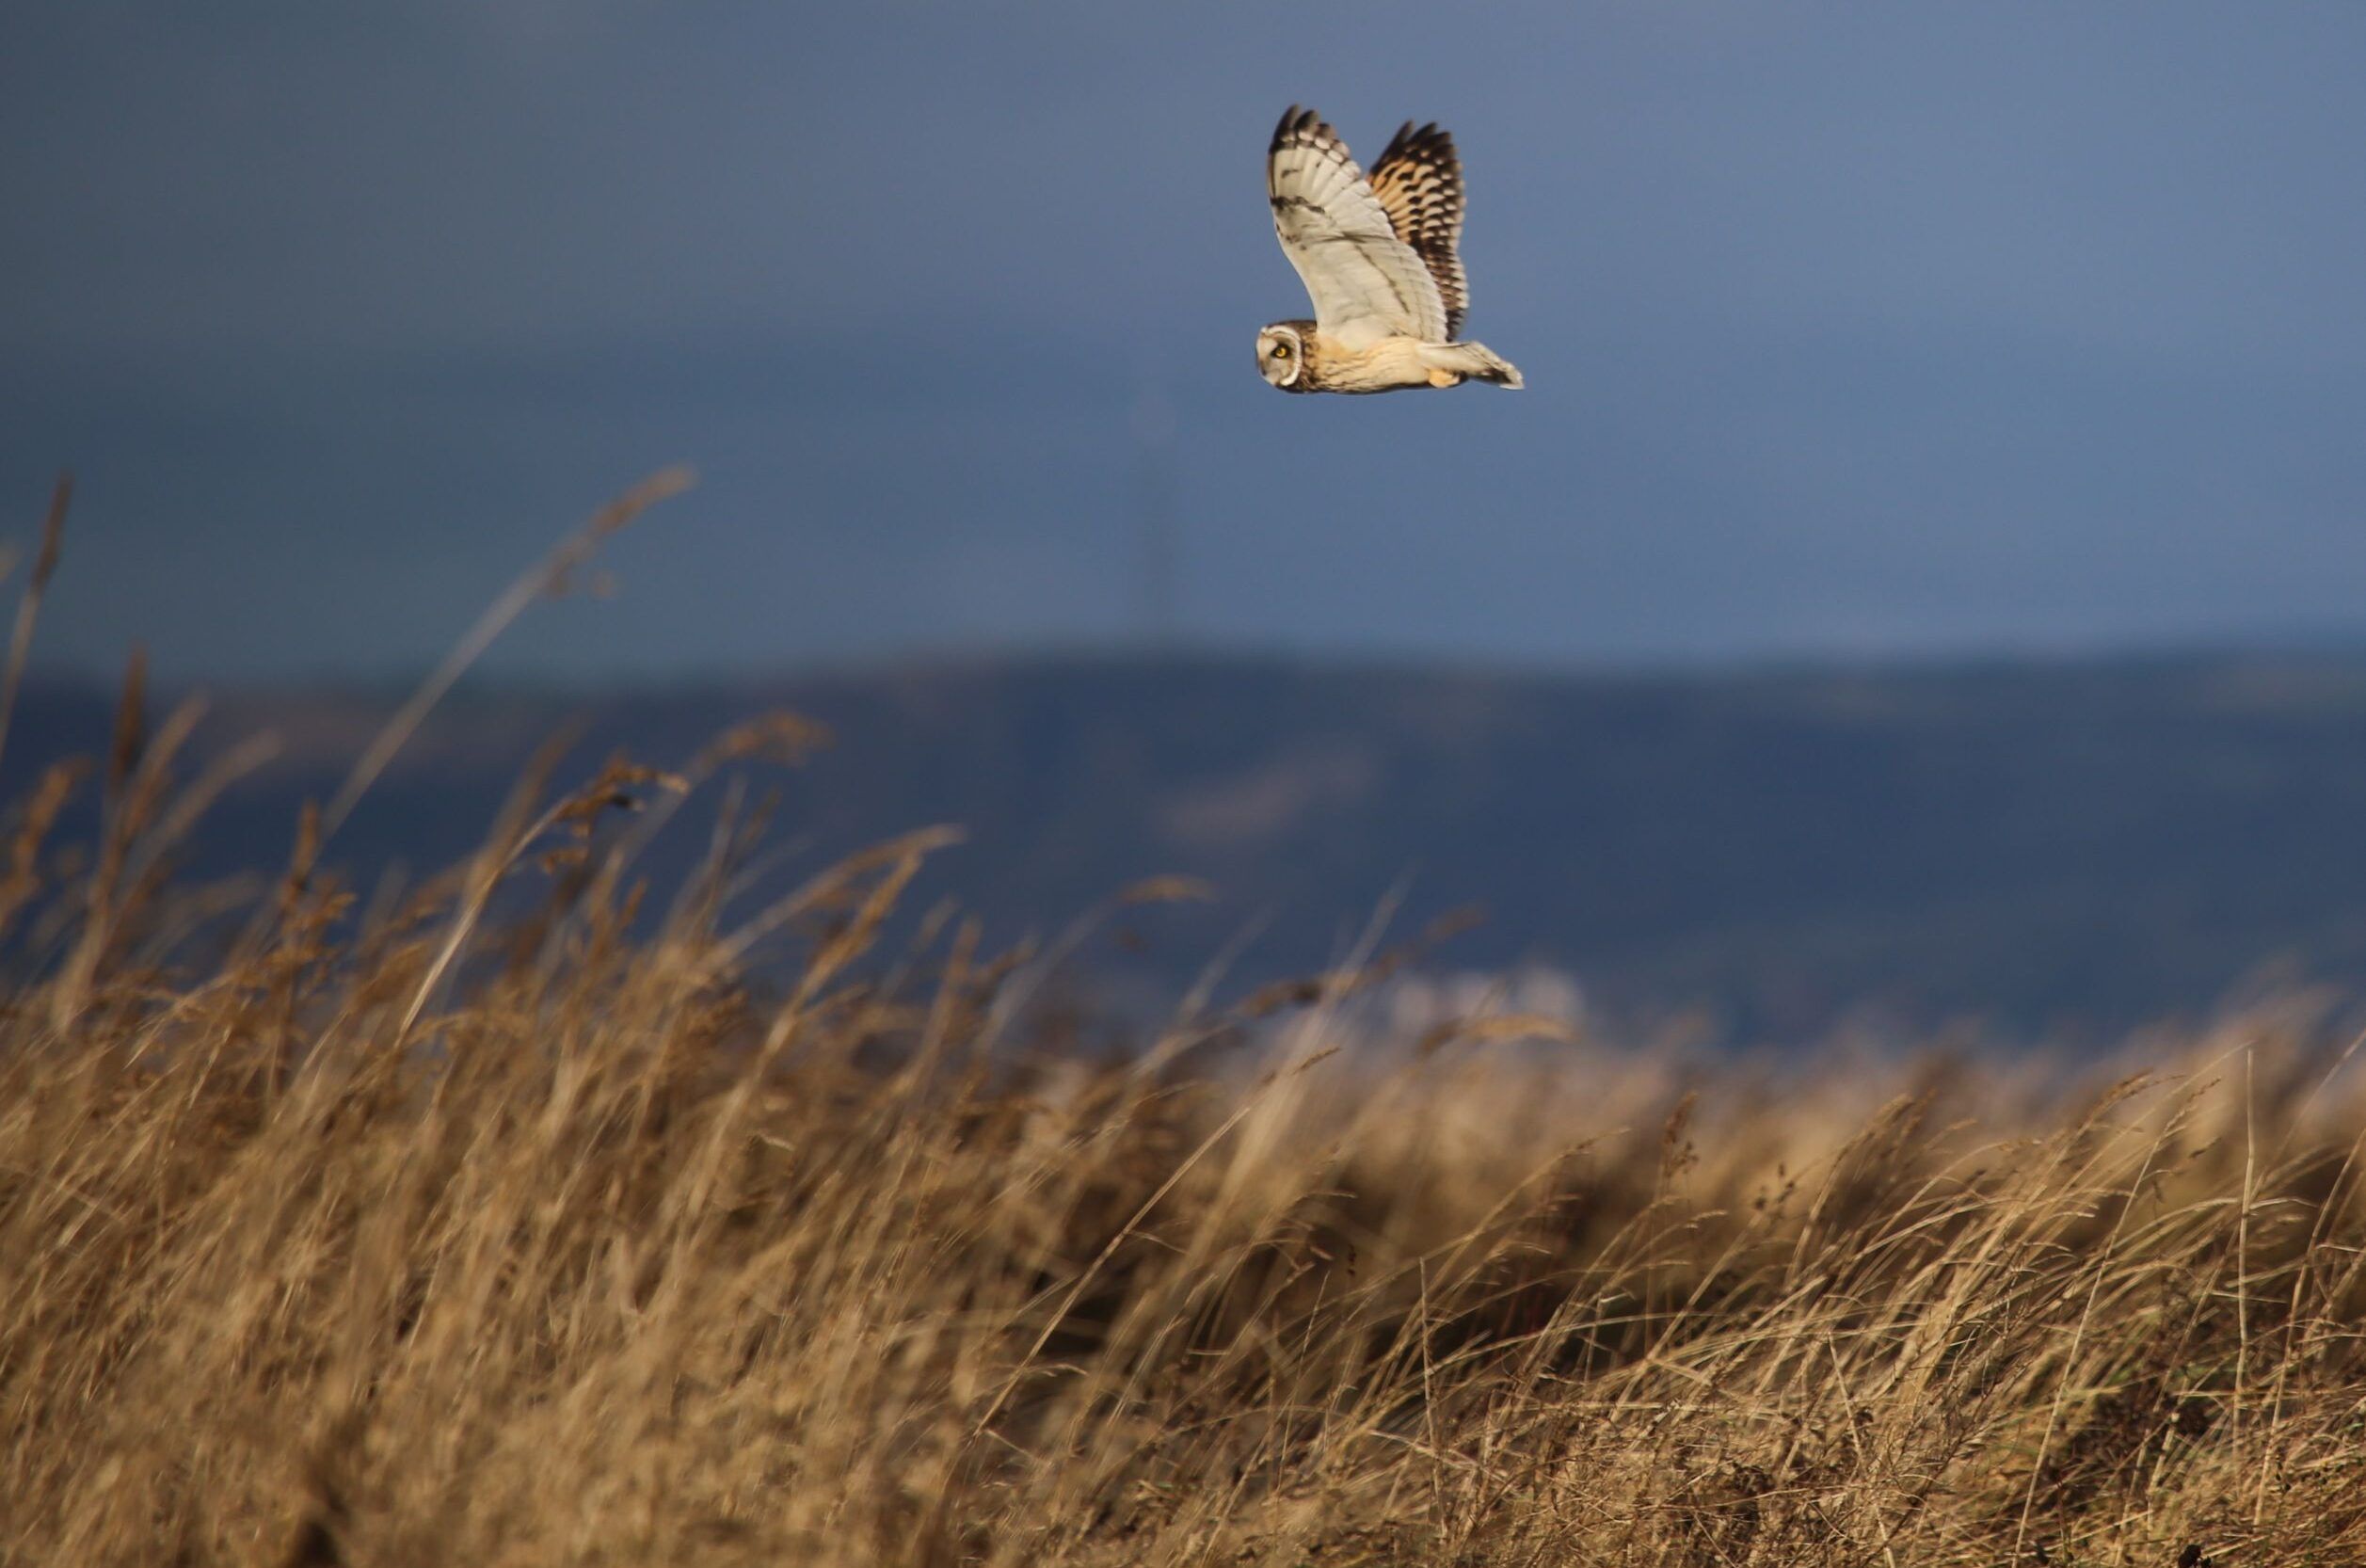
406	1234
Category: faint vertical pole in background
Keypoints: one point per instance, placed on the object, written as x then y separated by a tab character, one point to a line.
1157	589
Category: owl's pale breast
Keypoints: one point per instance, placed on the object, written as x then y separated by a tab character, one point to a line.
1389	365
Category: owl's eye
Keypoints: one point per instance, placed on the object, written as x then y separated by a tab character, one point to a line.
1280	351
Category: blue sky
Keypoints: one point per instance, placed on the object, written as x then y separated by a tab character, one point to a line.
1849	329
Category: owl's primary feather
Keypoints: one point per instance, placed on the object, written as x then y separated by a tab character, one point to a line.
1418	180
1366	284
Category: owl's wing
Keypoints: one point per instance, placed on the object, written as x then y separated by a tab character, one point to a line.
1366	284
1419	184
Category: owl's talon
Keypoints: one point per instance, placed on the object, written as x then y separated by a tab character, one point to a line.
1444	378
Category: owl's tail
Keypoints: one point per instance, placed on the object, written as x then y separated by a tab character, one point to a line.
1473	360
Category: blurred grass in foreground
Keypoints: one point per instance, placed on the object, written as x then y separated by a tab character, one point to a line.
414	1231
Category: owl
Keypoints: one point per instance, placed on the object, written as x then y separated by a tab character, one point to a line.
1378	259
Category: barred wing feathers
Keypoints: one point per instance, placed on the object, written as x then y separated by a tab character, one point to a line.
1366	284
1418	180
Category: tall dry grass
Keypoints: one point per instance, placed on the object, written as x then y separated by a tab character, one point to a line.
415	1230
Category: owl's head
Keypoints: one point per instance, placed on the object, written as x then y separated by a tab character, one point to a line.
1282	354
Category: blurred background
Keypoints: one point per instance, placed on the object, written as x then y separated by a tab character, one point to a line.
1919	585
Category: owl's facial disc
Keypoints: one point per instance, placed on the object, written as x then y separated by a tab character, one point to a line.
1281	356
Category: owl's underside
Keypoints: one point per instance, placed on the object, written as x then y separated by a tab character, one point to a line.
1305	360
1378	259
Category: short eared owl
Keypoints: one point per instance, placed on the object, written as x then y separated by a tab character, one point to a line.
1378	258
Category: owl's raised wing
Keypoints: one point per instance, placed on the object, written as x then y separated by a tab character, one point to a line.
1418	180
1366	282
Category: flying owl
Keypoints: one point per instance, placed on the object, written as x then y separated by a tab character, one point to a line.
1378	259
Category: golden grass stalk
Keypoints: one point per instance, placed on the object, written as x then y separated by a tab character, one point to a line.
29	609
551	574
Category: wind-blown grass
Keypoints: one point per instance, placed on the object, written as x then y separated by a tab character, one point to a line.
420	1233
420	1246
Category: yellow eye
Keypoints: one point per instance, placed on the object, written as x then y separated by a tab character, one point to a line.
1280	351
